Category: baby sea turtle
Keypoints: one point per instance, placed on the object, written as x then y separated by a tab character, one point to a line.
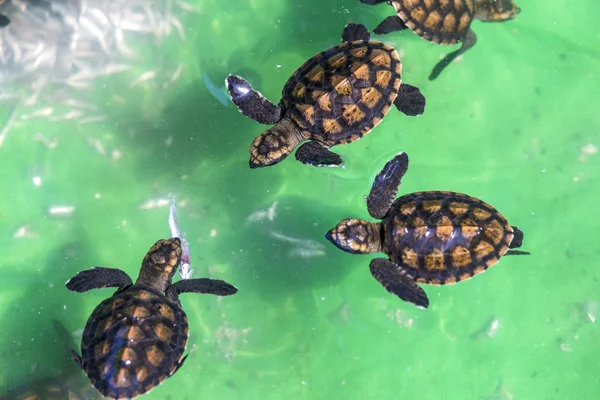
430	237
445	21
135	339
336	97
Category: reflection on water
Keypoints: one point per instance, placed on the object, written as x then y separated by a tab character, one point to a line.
54	53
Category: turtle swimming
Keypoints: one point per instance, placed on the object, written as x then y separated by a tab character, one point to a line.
136	338
444	21
430	237
336	97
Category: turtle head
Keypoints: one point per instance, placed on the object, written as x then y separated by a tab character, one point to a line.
496	10
160	264
356	236
275	144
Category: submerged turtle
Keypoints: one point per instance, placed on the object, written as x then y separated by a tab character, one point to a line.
135	339
430	237
336	97
445	21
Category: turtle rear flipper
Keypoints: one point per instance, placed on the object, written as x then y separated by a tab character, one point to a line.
517	240
390	24
385	187
410	100
252	103
354	32
98	278
317	154
398	282
201	285
517	253
77	359
468	42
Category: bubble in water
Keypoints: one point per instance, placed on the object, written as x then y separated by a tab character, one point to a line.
543	170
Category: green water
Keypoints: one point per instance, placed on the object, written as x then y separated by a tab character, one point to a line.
515	123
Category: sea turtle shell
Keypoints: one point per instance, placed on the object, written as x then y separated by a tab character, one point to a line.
444	237
439	21
142	326
342	93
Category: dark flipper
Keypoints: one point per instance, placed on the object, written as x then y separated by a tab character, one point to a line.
355	32
77	359
317	154
468	42
398	282
251	103
372	2
410	100
517	253
66	343
390	24
517	240
98	278
201	285
4	20
385	187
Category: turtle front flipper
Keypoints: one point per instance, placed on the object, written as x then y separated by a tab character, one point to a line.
252	103
390	24
410	100
200	285
372	2
385	187
317	154
398	282
468	42
354	32
98	278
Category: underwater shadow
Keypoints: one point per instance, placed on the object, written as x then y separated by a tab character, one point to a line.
283	249
311	26
198	124
36	344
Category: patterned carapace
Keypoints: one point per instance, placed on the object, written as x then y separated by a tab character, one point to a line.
336	97
445	21
339	95
135	339
444	237
430	237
